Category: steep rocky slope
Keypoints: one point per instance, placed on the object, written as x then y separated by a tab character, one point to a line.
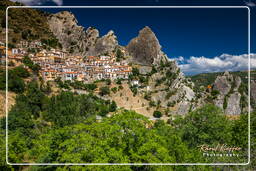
166	88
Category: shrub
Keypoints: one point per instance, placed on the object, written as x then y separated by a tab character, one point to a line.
215	92
152	103
171	104
135	71
119	81
108	81
114	89
120	87
147	96
157	114
90	87
169	94
153	71
104	91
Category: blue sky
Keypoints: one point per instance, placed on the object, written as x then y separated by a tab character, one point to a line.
185	34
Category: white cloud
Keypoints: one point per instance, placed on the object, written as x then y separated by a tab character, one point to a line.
58	2
250	4
224	62
39	2
179	59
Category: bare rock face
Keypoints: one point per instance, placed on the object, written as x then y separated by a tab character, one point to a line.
229	97
253	90
237	83
222	83
183	108
145	69
145	49
92	35
72	37
233	104
107	43
76	40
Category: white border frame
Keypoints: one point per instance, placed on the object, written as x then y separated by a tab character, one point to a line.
156	164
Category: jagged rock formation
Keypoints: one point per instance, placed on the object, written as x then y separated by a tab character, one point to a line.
107	43
92	35
76	40
145	49
223	83
229	97
71	36
168	87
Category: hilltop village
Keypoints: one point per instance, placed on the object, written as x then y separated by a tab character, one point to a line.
55	63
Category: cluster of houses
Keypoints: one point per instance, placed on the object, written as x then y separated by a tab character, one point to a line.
54	64
59	64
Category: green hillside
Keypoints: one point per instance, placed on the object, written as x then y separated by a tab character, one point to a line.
25	24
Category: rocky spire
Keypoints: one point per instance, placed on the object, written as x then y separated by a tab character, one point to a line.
145	48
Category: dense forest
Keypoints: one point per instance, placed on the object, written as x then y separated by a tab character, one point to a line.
78	128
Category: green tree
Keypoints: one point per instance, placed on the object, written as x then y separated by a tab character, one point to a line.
207	125
135	72
122	138
20	116
35	98
15	79
112	106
